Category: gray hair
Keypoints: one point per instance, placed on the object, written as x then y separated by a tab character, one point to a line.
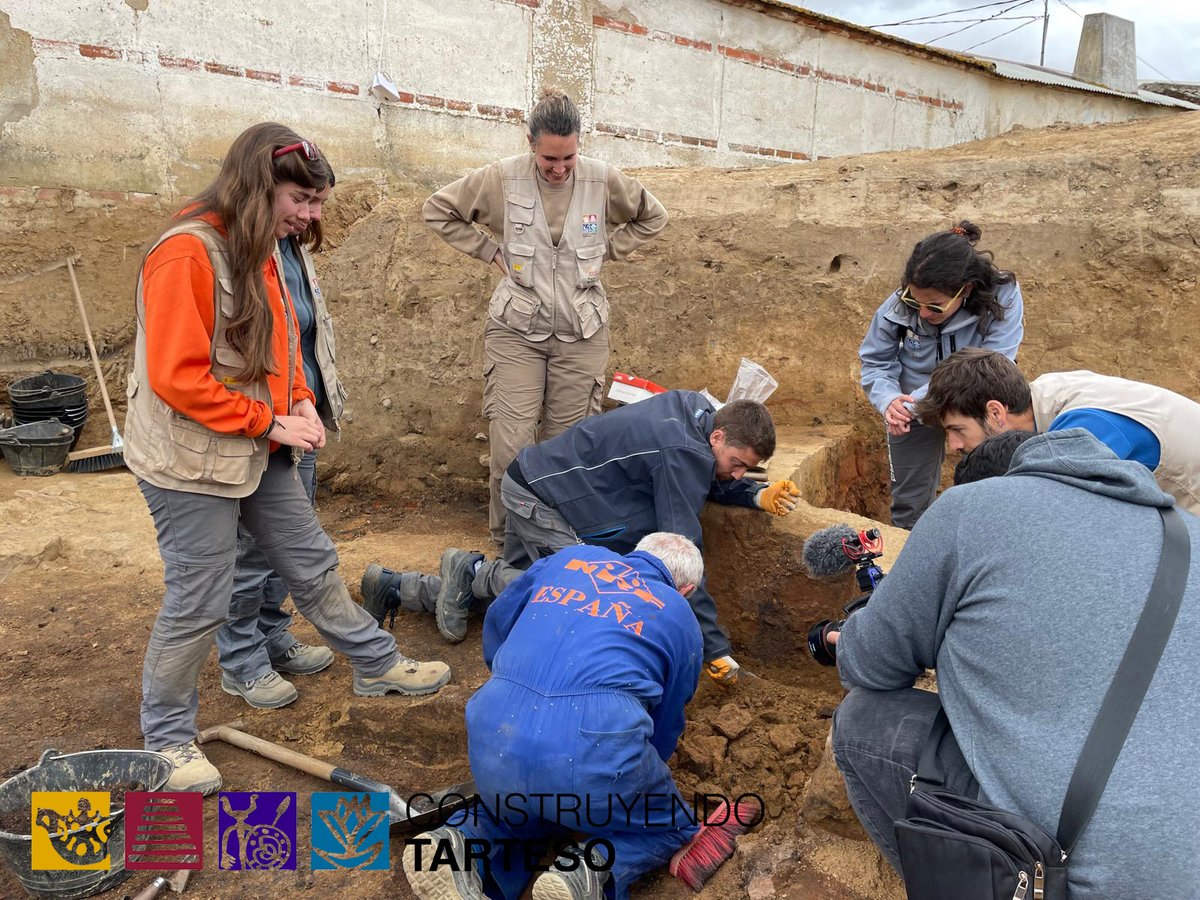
681	557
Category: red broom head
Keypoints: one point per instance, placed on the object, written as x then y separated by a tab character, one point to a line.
696	861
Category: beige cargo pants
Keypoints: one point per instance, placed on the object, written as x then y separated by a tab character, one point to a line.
551	383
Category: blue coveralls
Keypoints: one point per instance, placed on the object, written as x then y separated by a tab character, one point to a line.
593	657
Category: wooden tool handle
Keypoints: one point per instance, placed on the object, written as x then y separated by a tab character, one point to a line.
230	735
112	420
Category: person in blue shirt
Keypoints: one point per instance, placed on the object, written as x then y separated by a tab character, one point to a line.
975	394
952	296
593	656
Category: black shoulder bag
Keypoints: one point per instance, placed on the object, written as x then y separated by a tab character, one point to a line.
953	847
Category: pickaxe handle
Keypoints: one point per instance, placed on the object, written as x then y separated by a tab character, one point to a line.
398	810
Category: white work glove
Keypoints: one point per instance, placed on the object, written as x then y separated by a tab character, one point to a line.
723	671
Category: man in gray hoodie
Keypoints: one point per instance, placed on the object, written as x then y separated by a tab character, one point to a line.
1022	591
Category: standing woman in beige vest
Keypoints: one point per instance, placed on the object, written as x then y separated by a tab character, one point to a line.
554	218
219	409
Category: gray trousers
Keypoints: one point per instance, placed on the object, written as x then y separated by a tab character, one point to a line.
915	467
255	634
551	381
878	737
197	538
532	530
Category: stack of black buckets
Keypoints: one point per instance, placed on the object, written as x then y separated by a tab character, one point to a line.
51	395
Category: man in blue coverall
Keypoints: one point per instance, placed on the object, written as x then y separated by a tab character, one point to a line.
593	657
608	480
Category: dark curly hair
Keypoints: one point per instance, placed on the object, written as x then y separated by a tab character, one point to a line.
947	260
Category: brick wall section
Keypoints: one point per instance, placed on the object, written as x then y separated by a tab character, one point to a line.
754	58
65	49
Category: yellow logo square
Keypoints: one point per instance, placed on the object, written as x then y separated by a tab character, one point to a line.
70	830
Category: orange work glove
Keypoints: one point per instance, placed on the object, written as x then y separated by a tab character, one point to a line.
723	671
778	498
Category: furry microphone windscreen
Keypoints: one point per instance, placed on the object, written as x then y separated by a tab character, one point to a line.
824	555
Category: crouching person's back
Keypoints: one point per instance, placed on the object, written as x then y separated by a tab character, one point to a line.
1023	592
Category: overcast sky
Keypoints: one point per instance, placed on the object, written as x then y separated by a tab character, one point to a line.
1167	31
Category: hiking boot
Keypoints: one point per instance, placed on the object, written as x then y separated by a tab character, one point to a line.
302	659
572	877
381	593
447	880
192	772
454	597
407	676
264	692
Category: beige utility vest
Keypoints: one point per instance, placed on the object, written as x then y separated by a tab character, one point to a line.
172	451
335	392
1173	418
552	290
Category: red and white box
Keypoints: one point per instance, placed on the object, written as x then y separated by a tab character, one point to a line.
630	389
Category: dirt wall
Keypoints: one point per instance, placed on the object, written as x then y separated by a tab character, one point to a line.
784	265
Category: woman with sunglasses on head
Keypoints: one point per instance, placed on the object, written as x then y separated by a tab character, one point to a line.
952	296
255	645
218	406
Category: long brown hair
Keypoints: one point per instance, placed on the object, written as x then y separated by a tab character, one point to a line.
243	197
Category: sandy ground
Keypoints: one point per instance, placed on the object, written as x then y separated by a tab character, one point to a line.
81	584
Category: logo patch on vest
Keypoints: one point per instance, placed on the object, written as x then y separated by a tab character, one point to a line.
912	341
590	224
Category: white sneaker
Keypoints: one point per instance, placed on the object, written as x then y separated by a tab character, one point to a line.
264	692
192	772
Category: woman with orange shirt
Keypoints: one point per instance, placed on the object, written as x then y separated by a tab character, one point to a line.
218	413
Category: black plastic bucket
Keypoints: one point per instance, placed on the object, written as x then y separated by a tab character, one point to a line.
48	388
39	448
93	770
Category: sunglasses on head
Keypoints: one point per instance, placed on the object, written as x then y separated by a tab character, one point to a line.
307	150
936	308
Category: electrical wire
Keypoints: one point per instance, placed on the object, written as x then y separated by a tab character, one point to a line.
952	12
1029	21
1007	9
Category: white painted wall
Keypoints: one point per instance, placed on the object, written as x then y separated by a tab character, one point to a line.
145	95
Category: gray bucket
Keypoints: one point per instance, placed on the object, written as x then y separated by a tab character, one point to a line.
39	448
92	770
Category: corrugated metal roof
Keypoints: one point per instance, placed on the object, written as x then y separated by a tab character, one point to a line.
1041	75
997	67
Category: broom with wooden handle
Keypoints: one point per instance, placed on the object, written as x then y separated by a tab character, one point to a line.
97	459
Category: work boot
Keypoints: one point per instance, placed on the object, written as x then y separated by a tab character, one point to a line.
303	659
407	676
447	880
264	692
192	772
454	597
381	593
572	877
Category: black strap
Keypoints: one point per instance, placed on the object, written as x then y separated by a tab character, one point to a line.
1129	685
1123	699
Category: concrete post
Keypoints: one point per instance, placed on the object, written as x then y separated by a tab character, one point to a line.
562	53
1107	52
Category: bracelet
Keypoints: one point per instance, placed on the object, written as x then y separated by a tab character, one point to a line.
271	427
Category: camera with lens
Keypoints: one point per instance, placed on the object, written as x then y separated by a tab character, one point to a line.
833	551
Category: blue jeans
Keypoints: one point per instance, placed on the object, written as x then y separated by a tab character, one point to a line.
255	634
878	737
